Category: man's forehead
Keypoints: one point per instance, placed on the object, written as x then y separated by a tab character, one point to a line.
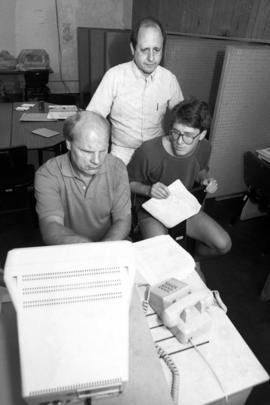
182	126
149	29
91	126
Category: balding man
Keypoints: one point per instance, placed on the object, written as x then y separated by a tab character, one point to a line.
83	195
135	95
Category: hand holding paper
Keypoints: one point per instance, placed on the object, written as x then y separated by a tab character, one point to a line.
177	207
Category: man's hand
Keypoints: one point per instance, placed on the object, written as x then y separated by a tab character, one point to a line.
54	232
211	185
159	190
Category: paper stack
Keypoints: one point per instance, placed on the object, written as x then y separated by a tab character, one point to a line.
61	112
264	154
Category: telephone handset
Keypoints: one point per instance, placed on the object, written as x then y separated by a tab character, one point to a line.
183	311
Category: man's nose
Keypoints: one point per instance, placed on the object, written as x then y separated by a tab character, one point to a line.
180	139
151	55
96	158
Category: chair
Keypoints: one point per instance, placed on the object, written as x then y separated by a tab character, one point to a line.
16	176
257	180
57	149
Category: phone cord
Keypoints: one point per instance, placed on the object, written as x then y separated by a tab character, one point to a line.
173	369
225	396
165	356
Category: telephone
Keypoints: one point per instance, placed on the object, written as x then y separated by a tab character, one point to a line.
183	311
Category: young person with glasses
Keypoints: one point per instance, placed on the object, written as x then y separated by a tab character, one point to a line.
182	154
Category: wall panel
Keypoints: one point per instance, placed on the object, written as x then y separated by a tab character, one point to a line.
241	120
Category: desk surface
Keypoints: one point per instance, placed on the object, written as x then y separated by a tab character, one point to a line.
5	124
13	132
225	350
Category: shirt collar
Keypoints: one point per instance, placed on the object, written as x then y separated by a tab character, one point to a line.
139	74
68	171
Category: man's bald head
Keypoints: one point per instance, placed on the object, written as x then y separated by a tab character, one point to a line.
79	122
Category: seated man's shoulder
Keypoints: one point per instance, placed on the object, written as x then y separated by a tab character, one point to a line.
150	145
205	145
53	165
113	162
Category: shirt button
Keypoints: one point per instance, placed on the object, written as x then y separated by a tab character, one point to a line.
84	187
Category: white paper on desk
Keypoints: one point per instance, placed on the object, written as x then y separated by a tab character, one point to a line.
60	115
45	132
35	117
161	257
180	205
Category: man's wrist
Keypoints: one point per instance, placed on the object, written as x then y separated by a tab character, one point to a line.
149	191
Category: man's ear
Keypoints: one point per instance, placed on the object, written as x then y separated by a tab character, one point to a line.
68	144
202	135
132	48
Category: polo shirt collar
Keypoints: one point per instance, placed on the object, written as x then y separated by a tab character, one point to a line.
138	73
68	171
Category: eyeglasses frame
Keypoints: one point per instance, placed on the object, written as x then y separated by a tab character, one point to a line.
181	134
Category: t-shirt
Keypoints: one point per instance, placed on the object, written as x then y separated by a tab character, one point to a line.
151	163
88	211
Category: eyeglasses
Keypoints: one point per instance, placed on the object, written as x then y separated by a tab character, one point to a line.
187	137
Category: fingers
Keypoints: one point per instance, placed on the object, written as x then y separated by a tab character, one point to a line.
159	190
211	185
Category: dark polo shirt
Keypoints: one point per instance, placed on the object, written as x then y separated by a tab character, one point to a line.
88	211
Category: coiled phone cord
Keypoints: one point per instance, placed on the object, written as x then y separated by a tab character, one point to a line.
173	369
163	354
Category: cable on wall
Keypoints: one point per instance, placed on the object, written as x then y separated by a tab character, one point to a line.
60	50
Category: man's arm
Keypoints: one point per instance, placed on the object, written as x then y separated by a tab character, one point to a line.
176	92
119	229
102	100
54	232
157	190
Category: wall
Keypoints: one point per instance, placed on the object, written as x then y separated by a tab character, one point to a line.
227	18
7	26
32	24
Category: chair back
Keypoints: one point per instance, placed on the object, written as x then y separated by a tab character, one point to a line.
256	177
256	172
14	158
16	176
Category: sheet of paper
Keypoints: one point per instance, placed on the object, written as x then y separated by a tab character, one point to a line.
180	205
60	115
161	257
264	154
35	117
47	133
63	108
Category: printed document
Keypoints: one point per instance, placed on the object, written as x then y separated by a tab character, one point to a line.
161	257
170	211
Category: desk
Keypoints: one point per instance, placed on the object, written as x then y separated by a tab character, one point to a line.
146	385
230	357
13	132
5	124
223	347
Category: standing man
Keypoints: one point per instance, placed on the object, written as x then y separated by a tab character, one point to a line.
182	154
135	95
83	195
